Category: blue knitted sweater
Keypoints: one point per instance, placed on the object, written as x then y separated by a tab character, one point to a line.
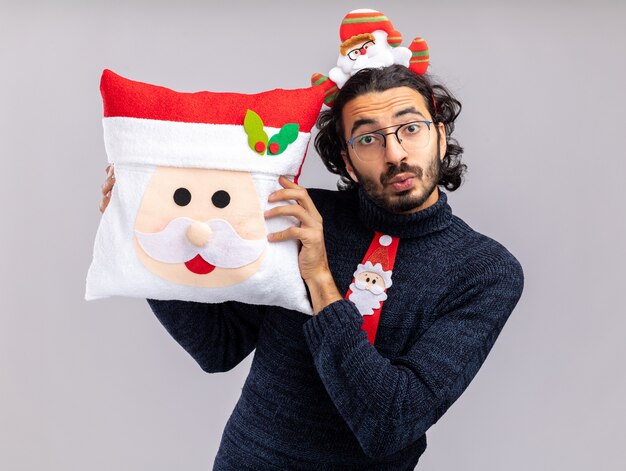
319	396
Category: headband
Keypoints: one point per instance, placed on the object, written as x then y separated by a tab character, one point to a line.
368	40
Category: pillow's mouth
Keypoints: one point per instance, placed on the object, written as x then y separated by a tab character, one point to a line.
199	266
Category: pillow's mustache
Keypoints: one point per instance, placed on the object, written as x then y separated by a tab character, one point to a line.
225	247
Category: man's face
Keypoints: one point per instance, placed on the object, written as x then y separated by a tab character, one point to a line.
398	181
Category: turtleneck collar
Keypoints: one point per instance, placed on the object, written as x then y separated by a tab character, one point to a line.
432	219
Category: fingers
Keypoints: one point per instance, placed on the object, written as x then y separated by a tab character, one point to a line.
105	202
110	170
296	211
108	185
307	236
304	210
107	188
292	232
110	180
294	192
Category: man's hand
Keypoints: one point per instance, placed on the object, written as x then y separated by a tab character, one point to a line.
312	259
107	187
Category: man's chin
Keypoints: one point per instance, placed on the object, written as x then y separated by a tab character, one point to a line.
406	204
405	201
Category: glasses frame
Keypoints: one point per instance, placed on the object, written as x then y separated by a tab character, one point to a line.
350	142
356	49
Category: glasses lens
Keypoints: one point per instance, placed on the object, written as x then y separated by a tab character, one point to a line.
414	136
369	146
353	54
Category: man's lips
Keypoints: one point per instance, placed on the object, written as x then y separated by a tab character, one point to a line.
199	266
401	182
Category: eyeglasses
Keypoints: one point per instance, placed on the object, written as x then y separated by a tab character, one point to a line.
355	53
412	136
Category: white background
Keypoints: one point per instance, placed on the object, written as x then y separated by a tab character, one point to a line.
102	386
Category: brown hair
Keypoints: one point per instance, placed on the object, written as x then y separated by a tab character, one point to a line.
359	38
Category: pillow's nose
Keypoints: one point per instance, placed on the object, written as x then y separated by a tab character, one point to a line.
199	233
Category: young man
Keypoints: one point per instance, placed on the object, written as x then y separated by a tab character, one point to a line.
322	394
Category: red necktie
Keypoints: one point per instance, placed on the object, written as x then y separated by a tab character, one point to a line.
371	280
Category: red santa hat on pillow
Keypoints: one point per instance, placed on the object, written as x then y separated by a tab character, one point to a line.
259	133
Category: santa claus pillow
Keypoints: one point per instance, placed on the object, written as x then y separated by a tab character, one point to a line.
193	174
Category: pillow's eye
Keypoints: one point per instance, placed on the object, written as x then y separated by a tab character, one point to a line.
220	199
182	197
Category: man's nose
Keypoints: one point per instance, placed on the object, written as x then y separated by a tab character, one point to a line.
199	233
394	152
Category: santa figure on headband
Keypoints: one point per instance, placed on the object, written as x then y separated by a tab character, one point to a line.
368	39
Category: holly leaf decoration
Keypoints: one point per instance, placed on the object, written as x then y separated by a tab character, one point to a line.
257	137
287	135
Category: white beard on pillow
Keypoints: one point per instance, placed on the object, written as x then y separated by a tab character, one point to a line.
379	54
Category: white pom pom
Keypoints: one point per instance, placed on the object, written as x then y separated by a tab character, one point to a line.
385	240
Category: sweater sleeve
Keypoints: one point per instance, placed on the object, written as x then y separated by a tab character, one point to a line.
217	336
387	404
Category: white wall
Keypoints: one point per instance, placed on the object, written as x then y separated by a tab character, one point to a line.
102	386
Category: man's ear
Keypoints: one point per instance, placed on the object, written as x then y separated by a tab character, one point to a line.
349	167
443	142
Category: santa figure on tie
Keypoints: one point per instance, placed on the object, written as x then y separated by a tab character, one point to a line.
368	288
372	277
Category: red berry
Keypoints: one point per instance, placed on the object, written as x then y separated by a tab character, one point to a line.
259	147
274	147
